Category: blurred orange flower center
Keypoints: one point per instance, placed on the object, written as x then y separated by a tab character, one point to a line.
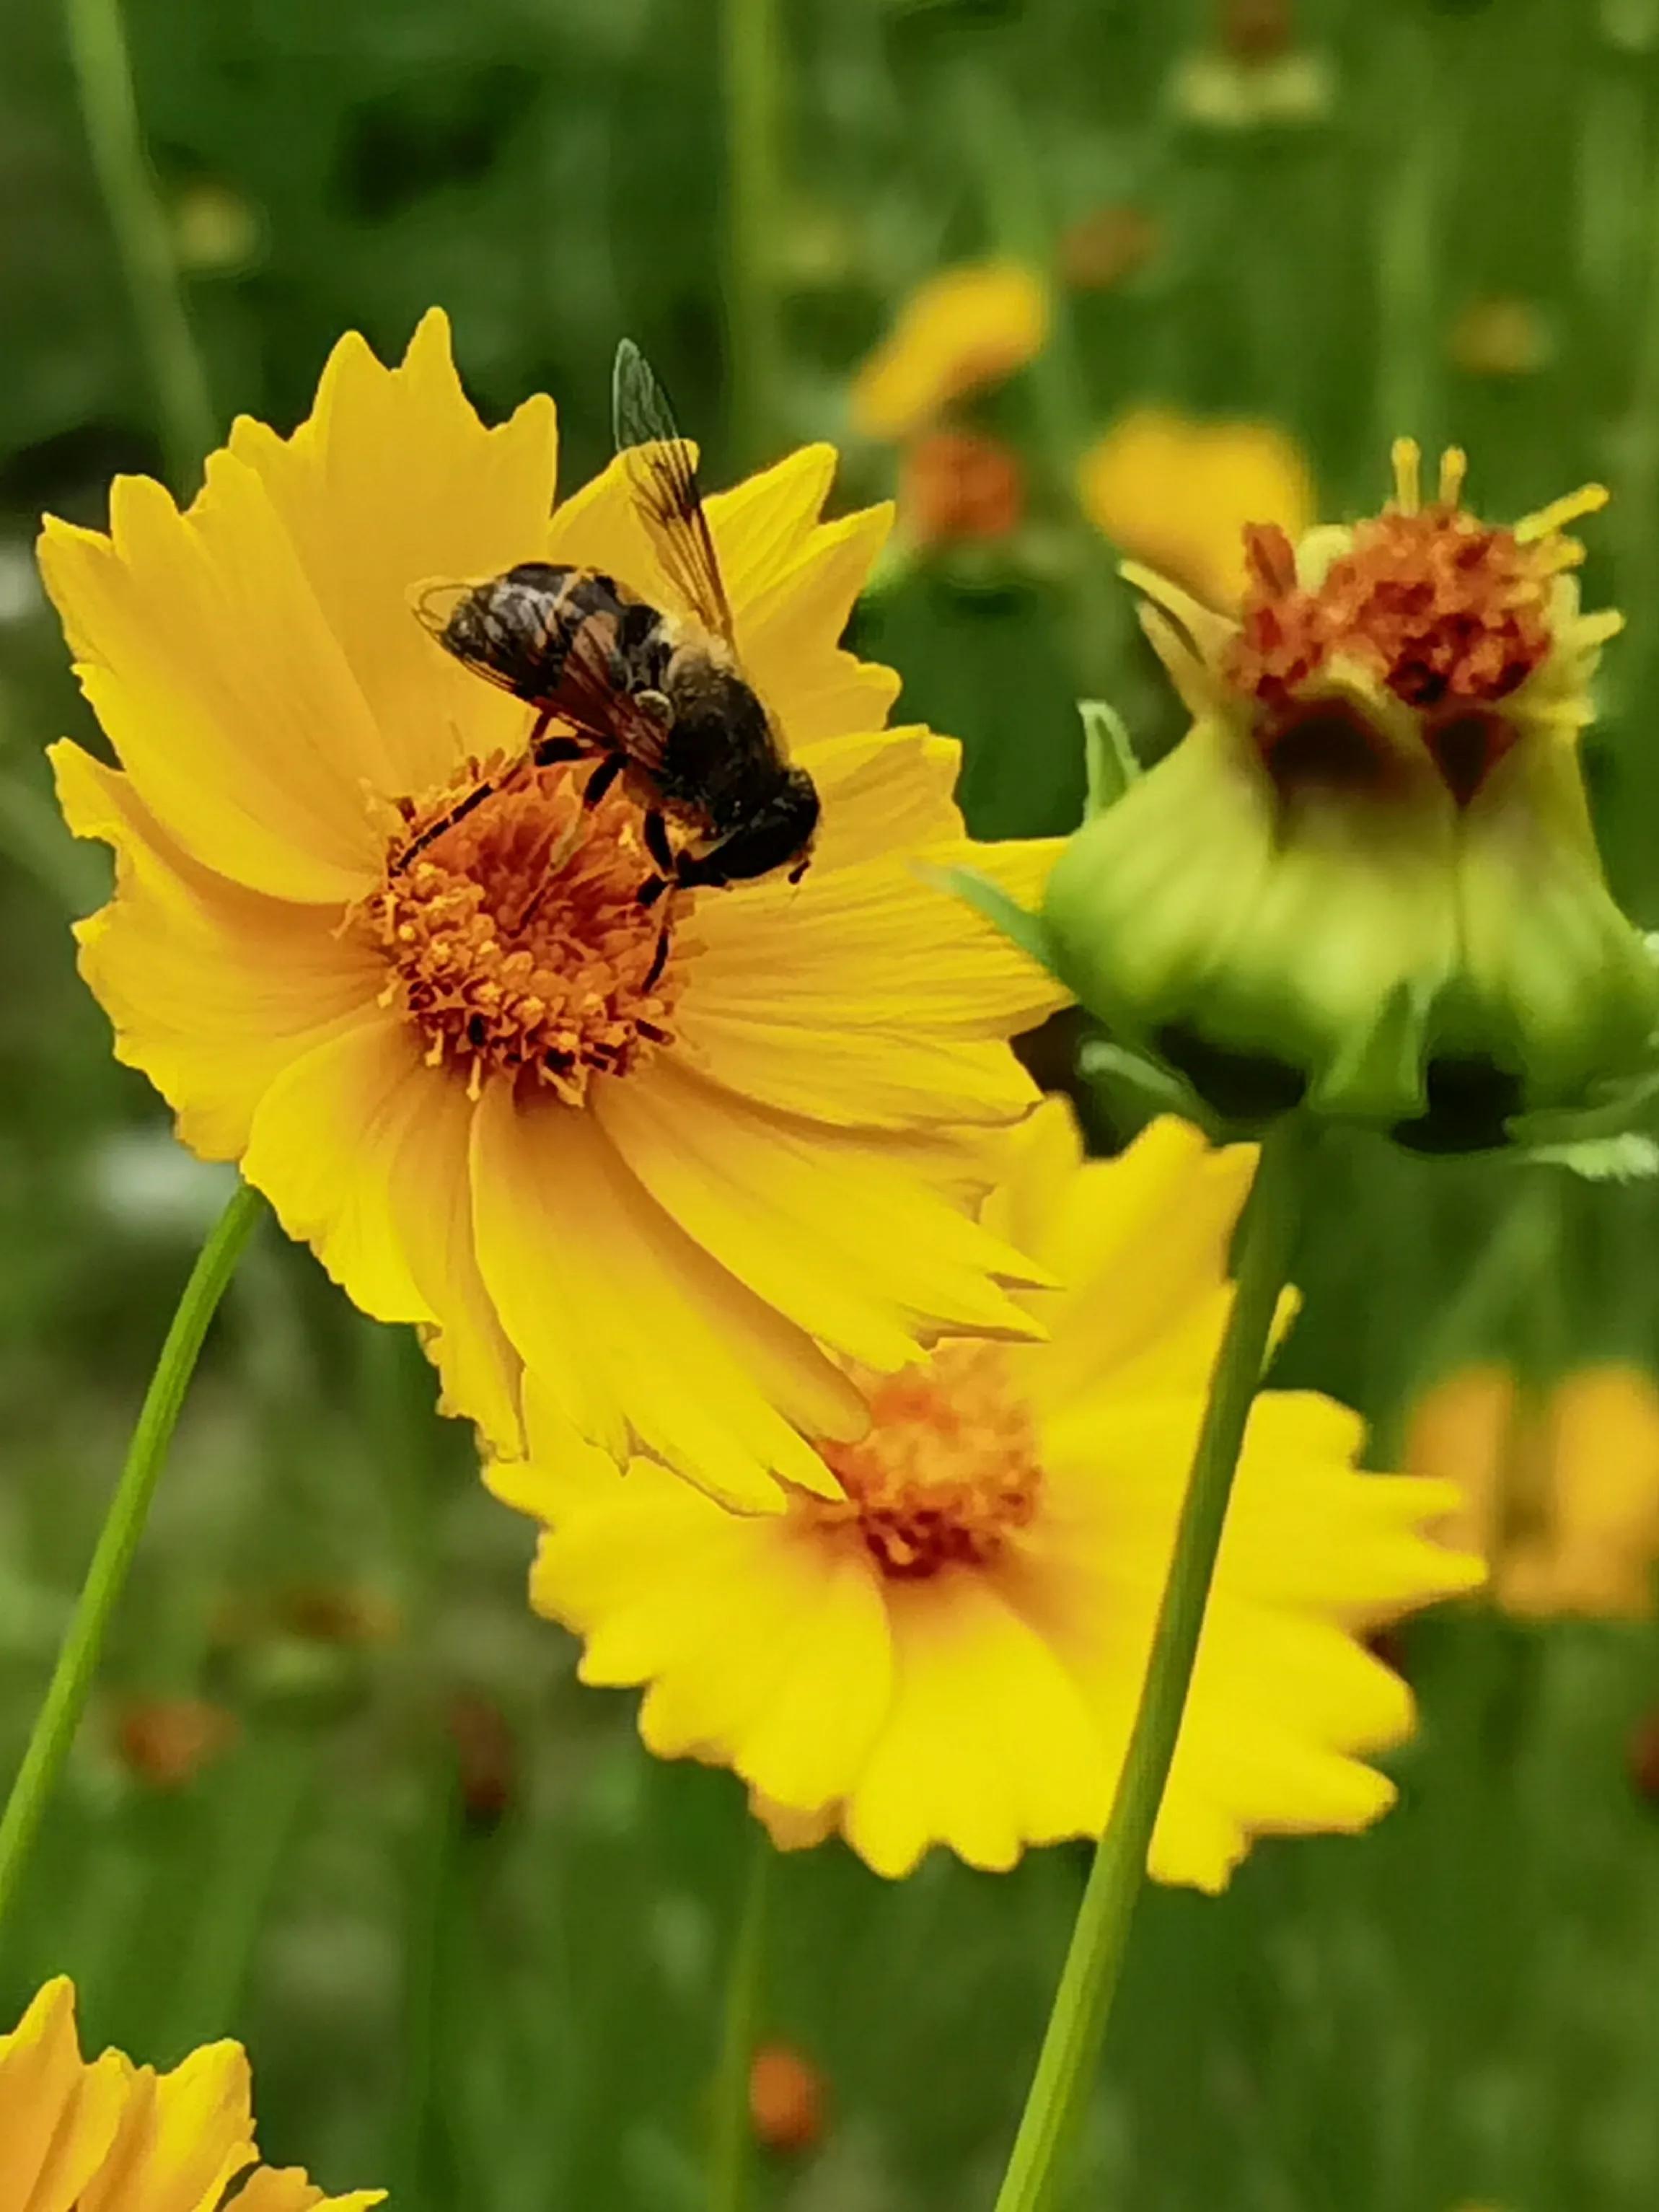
948	1468
515	936
1443	609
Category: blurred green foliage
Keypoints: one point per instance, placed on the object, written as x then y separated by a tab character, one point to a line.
516	2006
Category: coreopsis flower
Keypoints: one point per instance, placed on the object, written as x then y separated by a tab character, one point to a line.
658	1167
1177	494
1559	1489
963	329
950	1649
1367	875
106	2135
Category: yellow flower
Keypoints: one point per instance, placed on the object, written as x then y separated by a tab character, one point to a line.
1177	494
952	1651
470	1082
1368	873
1560	1497
964	328
111	2136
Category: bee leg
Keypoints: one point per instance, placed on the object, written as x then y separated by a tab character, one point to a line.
433	830
656	841
602	779
547	751
659	958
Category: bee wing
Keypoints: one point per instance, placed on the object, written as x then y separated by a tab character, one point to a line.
589	698
593	699
664	480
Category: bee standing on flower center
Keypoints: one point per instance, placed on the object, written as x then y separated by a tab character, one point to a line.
657	700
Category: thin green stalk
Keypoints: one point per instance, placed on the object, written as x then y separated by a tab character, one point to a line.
729	2145
77	1658
1076	2025
103	71
753	64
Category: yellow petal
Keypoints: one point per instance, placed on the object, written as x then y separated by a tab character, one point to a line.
213	990
393	479
632	1325
964	327
184	2138
286	2189
225	697
877	997
58	2116
788	636
766	1642
1177	494
328	1148
852	1247
988	1745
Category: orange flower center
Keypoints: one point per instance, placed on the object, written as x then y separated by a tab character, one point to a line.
512	928
1443	609
1450	614
948	1468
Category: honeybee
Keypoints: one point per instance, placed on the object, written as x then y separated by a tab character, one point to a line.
657	699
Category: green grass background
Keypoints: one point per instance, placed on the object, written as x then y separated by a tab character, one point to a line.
525	2017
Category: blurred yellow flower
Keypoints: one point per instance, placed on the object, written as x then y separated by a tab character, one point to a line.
111	2136
951	1652
963	328
472	1082
1177	494
1560	1497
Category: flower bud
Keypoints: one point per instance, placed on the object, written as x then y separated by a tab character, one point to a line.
1366	877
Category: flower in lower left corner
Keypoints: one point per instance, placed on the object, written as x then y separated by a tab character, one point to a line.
952	1651
657	1155
106	2135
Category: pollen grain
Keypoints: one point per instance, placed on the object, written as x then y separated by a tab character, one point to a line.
513	932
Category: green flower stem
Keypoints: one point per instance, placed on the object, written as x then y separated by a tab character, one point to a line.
729	2144
77	1659
1076	2025
103	71
753	64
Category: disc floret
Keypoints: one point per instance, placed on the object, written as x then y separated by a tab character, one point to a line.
514	935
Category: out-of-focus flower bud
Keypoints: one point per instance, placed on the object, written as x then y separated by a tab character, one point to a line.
1644	1756
1255	30
957	487
786	2099
1255	75
1500	337
486	1757
166	1742
1103	248
1367	877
